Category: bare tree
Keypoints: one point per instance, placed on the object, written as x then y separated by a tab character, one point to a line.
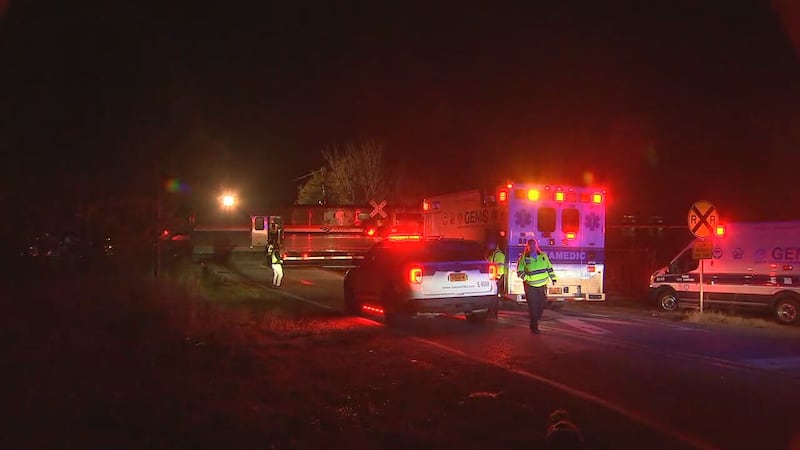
341	167
354	175
312	192
368	162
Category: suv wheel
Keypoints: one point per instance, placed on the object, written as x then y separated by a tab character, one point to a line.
389	304
351	305
478	317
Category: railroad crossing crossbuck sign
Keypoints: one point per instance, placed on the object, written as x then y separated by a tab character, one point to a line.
703	217
378	209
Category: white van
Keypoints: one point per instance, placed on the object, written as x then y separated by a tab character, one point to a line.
754	265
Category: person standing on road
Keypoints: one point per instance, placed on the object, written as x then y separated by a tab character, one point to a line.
498	258
534	269
277	266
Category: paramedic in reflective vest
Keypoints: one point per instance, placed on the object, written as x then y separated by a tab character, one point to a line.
498	258
534	269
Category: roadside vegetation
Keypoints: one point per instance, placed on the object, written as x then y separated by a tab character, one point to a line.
113	360
734	319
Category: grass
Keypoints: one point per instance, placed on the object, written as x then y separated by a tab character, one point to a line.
715	317
254	308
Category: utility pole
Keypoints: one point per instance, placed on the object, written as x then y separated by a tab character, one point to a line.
157	234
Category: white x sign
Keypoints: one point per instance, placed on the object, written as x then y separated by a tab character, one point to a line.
378	209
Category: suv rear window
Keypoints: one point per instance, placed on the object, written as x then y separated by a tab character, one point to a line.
440	251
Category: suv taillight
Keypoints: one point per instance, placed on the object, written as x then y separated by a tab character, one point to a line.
415	275
493	272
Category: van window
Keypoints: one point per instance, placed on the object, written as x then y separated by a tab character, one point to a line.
684	263
570	220
546	220
259	223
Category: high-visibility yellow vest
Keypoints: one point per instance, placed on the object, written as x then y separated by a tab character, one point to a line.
276	258
499	258
535	270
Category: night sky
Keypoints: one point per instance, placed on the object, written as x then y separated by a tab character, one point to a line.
663	102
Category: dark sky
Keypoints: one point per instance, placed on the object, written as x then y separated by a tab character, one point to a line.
662	102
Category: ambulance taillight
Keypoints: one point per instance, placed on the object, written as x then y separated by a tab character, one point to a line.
502	196
533	194
571	235
426	205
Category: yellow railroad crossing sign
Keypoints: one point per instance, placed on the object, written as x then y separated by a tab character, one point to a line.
703	218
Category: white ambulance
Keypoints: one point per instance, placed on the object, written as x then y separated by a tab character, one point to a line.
753	265
569	223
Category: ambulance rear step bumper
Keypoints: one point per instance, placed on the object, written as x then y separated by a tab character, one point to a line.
520	298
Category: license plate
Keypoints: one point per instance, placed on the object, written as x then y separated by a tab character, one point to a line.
458	276
555	290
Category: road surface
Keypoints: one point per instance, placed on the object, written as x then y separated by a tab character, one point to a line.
635	376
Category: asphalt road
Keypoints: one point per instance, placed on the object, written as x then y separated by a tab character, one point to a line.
668	383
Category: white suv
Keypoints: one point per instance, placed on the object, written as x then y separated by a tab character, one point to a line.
408	274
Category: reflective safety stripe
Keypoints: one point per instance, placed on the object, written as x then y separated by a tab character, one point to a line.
537	271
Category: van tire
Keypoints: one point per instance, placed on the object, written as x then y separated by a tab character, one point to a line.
668	300
786	309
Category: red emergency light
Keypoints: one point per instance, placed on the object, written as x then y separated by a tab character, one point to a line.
597	198
533	195
372	309
426	205
493	272
719	230
559	196
405	237
502	196
571	235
